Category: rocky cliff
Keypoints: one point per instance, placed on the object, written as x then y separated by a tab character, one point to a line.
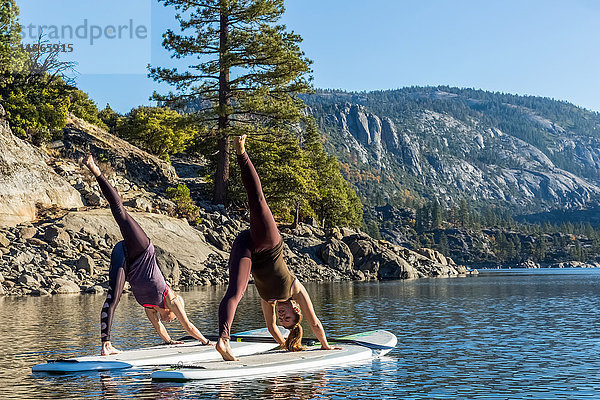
448	143
27	182
81	137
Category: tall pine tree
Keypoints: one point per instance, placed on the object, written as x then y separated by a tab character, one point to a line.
244	67
12	58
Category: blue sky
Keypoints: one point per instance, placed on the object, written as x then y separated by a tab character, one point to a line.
538	47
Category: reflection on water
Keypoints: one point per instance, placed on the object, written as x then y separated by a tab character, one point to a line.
516	334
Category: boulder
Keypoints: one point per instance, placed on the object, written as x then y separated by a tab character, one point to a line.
382	259
433	255
360	247
217	240
528	264
57	235
335	233
26	181
96	289
337	255
93	199
28	280
86	263
394	267
27	232
4	242
143	204
347	232
36	242
64	286
304	246
169	266
22	258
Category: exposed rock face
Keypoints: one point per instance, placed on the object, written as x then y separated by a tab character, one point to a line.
124	157
402	145
358	256
364	127
450	156
168	264
337	254
26	181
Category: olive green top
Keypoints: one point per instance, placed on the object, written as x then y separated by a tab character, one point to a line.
272	277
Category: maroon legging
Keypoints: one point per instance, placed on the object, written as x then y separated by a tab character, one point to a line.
134	237
263	235
134	244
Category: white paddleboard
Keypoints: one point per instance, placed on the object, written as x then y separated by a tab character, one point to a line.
158	355
277	362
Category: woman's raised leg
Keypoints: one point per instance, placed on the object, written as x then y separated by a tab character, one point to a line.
263	228
134	237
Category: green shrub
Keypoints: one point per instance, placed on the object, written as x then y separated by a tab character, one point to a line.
158	130
184	203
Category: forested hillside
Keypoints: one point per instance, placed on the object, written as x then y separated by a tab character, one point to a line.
529	153
485	177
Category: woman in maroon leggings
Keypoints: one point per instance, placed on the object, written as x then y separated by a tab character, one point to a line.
133	260
260	251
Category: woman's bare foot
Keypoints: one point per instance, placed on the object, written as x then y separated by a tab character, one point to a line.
89	162
108	349
224	349
239	145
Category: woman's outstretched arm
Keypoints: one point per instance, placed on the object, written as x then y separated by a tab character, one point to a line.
300	295
268	310
176	305
152	315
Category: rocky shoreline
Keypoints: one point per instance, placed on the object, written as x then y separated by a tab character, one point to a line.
67	249
48	257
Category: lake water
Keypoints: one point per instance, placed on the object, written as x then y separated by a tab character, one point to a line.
506	334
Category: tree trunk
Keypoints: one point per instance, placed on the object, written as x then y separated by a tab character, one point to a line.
296	216
222	172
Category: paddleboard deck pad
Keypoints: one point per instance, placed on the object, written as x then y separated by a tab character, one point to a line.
163	355
277	362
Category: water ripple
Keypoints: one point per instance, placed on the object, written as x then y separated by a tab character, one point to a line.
517	335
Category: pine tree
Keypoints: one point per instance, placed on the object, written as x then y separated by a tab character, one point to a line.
300	180
464	216
443	246
110	118
436	215
284	174
246	71
12	57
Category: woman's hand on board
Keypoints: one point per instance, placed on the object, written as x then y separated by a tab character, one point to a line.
330	347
